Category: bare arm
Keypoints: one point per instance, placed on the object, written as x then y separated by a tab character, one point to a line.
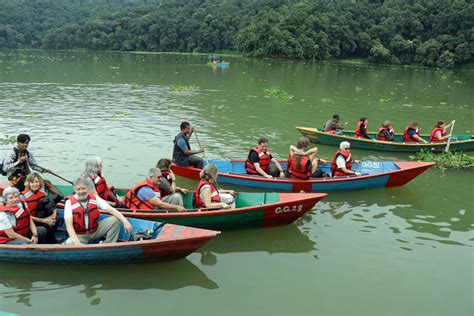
114	212
13	235
71	232
261	172
206	194
160	204
418	138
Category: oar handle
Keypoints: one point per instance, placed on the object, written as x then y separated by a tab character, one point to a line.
54	174
200	146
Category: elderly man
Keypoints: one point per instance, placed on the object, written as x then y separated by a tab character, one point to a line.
261	162
19	162
342	161
82	213
332	126
146	194
182	153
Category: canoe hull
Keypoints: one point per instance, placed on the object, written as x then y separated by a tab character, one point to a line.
316	136
402	173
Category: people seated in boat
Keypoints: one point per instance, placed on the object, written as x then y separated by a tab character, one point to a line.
93	170
170	193
342	161
361	129
261	162
147	196
386	132
82	213
208	194
438	134
182	153
19	162
43	214
411	133
302	162
16	224
332	126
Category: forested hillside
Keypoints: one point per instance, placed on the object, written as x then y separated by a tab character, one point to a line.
428	32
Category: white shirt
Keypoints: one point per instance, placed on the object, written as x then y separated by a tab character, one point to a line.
7	220
101	205
340	161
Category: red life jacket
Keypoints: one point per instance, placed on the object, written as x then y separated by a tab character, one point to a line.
32	199
78	215
433	137
103	190
167	176
380	136
299	173
131	201
264	161
215	198
335	170
358	133
407	137
22	216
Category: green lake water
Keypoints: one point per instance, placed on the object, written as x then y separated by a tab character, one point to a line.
401	251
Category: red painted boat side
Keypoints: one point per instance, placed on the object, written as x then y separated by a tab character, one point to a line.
408	171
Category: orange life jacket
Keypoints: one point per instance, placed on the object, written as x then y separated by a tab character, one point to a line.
215	198
335	170
302	172
32	199
433	137
380	136
78	215
103	190
407	137
264	161
131	201
358	133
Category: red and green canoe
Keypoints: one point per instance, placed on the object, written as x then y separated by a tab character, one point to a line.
458	142
253	210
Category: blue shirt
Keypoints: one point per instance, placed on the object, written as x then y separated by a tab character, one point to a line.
411	132
145	193
182	144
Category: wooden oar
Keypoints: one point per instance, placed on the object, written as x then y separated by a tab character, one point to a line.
451	135
54	174
200	147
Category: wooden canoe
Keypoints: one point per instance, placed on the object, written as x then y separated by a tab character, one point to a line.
458	142
253	210
169	242
375	175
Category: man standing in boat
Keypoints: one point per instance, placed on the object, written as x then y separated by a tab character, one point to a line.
182	153
332	126
261	162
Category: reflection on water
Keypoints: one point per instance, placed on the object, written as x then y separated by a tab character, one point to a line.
21	281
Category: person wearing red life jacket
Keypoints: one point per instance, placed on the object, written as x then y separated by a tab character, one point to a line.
93	171
438	134
82	212
16	225
34	196
261	162
208	194
342	161
411	133
302	162
170	193
147	196
332	126
361	129
386	132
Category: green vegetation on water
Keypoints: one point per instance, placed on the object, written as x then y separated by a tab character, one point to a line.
277	92
427	32
7	140
179	87
446	160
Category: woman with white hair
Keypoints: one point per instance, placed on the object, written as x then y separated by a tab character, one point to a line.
342	161
16	225
94	172
207	193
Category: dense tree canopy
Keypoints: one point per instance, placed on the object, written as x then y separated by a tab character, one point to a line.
428	32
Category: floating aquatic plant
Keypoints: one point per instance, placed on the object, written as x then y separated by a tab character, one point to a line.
179	87
277	92
8	140
446	160
135	86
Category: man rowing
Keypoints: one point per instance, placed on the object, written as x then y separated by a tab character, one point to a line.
182	153
261	162
332	126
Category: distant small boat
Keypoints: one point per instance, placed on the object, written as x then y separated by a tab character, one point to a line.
219	65
253	210
375	175
169	242
458	142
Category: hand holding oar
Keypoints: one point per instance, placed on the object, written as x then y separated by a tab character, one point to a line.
450	136
200	146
